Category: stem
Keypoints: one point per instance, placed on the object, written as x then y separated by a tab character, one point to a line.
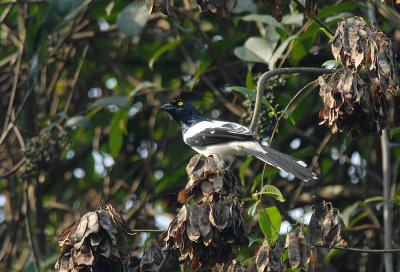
387	222
376	251
264	79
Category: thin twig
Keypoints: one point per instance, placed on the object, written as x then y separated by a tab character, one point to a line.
75	79
28	228
20	2
361	250
17	71
287	107
316	19
147	230
13	169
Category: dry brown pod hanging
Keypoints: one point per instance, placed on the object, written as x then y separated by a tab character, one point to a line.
350	103
95	243
209	231
360	44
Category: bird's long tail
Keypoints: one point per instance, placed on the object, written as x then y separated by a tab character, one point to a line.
279	160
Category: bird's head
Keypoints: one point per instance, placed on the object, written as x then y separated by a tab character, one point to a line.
183	112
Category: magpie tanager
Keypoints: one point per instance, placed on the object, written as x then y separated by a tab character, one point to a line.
209	137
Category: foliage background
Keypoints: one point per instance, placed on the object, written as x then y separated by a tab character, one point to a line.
81	86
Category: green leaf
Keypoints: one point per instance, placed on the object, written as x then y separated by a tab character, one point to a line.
245	5
253	240
331	62
261	18
374	199
243	169
249	77
296	18
273	192
336	8
162	50
253	208
348	211
205	62
250	93
117	128
270	222
120	101
279	51
143	85
259	47
329	35
290	115
132	19
78	121
246	55
394	131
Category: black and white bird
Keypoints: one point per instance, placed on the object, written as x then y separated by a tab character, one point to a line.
208	137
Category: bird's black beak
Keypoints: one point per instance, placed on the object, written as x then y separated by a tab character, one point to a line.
167	107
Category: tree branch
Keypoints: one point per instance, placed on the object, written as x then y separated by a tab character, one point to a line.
262	81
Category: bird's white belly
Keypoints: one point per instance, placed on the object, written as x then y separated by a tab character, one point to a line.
223	150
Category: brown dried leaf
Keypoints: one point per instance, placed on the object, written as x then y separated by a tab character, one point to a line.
313	230
344	235
152	257
327	223
292	244
262	258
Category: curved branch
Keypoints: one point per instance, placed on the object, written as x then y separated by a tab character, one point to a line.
262	81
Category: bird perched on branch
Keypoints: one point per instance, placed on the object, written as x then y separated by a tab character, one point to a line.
209	137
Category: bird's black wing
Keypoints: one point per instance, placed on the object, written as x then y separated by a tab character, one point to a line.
217	132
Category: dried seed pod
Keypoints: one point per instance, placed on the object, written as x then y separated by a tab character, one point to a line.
313	230
327	222
305	250
152	257
276	254
343	233
95	242
279	8
222	8
292	244
311	8
262	258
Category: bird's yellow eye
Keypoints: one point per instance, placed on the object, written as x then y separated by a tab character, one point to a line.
180	103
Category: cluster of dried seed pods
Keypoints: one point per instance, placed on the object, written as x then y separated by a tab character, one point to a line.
358	43
326	228
352	103
269	258
213	228
95	243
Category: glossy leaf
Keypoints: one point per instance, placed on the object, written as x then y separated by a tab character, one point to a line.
133	18
77	121
270	222
120	101
272	191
